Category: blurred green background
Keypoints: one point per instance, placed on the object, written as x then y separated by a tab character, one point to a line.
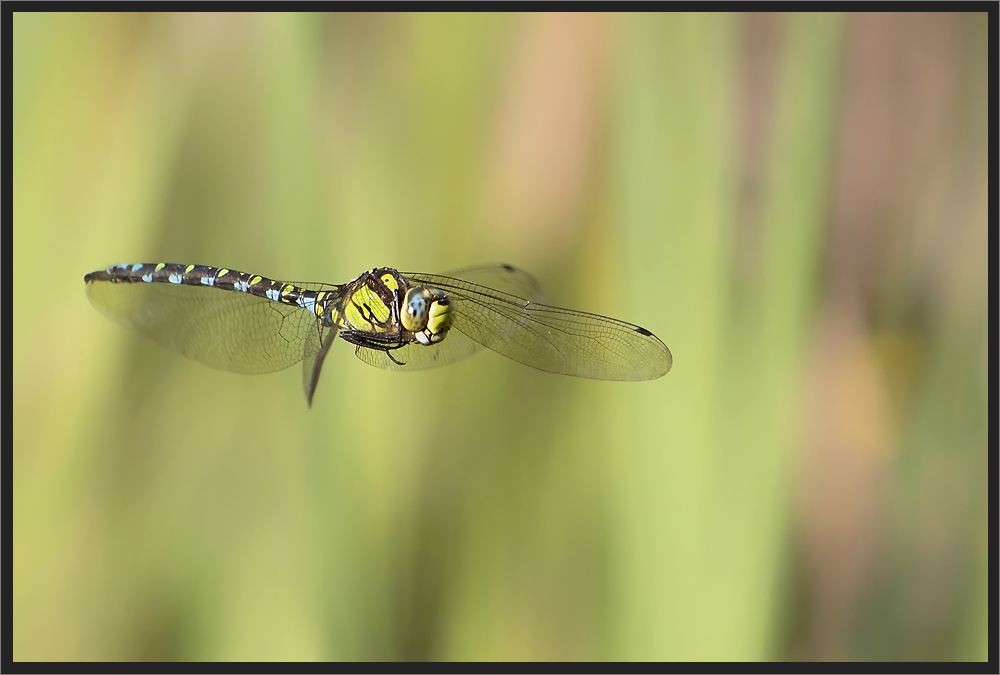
796	204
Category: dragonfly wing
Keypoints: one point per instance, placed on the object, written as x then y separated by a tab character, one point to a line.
550	338
499	276
317	344
223	329
416	356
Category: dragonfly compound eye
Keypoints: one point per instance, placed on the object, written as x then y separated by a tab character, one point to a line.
416	304
427	312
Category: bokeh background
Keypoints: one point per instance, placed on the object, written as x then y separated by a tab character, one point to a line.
796	204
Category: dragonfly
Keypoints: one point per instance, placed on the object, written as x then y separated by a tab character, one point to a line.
248	323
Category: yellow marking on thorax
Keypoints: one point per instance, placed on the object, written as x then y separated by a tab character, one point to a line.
363	301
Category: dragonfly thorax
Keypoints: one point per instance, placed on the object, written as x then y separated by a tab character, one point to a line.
381	309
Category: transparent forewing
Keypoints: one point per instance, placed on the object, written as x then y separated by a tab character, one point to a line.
456	346
223	329
501	277
549	338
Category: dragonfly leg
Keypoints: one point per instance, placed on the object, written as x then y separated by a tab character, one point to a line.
388	352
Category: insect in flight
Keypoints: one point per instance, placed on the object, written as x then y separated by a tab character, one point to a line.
247	323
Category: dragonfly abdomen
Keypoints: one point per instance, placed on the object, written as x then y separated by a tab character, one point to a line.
214	277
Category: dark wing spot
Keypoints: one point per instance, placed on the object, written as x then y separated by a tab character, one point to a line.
509	268
642	331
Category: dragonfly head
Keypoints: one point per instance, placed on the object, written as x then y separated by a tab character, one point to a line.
427	313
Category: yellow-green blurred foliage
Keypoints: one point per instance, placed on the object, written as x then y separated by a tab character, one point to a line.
796	205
